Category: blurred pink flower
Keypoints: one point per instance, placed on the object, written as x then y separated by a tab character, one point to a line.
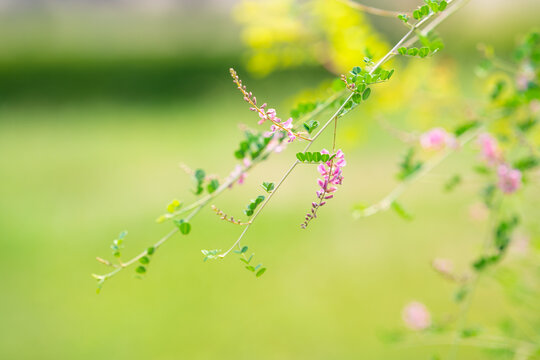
416	316
490	148
436	139
534	106
444	266
509	179
520	244
478	211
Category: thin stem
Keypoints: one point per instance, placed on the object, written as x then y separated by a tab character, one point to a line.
260	209
467	305
386	202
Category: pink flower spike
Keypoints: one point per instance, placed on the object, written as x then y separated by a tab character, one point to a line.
416	316
490	148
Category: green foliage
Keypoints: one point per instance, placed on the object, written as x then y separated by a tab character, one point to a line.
303	109
403	17
314	157
211	254
501	239
469	332
253	145
140	269
488	193
400	210
253	205
258	270
311	125
414	51
268	186
432	41
465	127
117	244
497	89
408	166
212	186
451	183
183	226
503	232
526	163
198	179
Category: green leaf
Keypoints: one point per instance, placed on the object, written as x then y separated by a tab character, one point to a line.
357	98
150	250
212	186
403	18
526	163
356	70
463	128
325	157
442	5
424	10
311	125
144	260
300	156
317	156
366	93
402	50
268	186
309	156
412	51
401	211
260	272
423	52
452	183
140	269
417	14
469	332
183	226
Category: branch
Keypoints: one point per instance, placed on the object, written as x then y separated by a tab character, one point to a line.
382	61
386	202
373	10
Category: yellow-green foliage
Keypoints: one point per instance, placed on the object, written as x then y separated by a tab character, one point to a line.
284	33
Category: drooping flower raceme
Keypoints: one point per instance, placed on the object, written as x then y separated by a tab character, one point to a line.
437	139
332	175
509	179
278	126
416	316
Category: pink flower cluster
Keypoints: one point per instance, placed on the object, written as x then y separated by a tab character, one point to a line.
509	179
416	316
278	125
437	139
490	148
332	175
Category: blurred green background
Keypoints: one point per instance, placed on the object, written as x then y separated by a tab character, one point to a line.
100	102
